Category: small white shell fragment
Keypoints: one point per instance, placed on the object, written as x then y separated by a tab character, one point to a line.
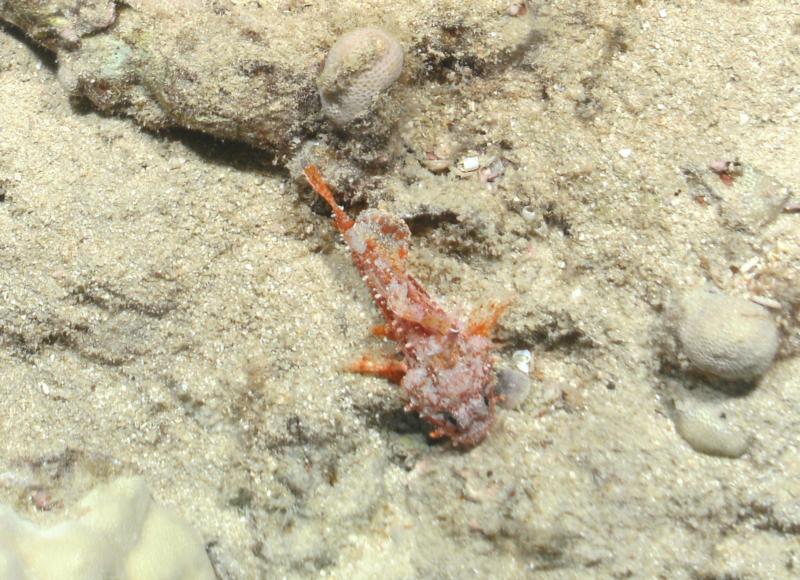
767	302
528	214
470	163
719	166
708	429
522	360
749	264
625	152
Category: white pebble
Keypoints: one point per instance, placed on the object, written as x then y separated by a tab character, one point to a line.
470	163
749	265
528	214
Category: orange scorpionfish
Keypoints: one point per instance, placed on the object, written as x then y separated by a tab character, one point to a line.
446	370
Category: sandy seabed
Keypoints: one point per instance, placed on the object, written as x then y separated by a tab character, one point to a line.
171	307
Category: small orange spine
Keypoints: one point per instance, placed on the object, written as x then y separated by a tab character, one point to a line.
315	180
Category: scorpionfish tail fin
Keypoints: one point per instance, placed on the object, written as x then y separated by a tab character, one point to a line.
316	181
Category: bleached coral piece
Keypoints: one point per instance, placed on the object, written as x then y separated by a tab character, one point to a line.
117	532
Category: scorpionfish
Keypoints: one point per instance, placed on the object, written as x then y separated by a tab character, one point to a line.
446	364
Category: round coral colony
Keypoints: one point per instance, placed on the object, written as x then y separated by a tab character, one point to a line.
726	336
360	66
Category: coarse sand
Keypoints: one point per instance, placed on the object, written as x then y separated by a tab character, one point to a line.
172	307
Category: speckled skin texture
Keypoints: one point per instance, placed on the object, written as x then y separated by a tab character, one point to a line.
450	382
446	370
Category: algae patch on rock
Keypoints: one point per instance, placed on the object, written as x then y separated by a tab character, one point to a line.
117	532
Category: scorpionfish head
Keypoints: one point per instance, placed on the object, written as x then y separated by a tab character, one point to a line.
452	387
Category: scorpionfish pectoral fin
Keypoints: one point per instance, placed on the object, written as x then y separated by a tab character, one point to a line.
388	368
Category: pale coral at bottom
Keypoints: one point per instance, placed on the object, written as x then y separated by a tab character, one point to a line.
117	532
